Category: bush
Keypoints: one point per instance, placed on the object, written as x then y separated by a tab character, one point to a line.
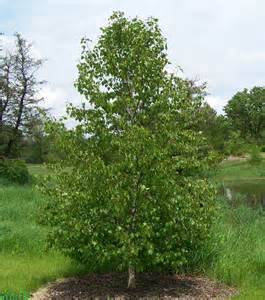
262	148
14	171
255	156
235	145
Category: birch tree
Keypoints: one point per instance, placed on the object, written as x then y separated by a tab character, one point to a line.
130	193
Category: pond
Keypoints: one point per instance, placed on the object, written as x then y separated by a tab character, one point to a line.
250	191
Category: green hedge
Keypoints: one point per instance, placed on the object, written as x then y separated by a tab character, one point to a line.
14	171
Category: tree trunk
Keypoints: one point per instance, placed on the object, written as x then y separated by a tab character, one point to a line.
1	113
13	139
131	278
9	147
1	120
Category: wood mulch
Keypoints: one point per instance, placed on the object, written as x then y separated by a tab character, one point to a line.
148	286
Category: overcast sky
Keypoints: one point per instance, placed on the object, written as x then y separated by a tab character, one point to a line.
218	41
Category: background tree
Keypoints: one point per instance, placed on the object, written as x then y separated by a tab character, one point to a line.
18	94
246	113
35	144
6	88
214	127
6	92
129	193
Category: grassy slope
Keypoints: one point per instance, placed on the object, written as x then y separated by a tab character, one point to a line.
239	254
241	170
24	263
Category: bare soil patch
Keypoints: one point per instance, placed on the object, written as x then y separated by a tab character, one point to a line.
149	286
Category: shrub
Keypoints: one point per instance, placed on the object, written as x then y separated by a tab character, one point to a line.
254	156
235	145
262	148
14	171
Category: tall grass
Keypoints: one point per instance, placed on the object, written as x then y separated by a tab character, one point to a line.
236	253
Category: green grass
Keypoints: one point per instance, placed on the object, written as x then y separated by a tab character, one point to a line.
36	169
29	272
238	246
240	170
25	263
238	250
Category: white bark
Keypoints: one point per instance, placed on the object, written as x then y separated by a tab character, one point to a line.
131	278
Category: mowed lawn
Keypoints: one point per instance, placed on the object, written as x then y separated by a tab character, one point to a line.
25	263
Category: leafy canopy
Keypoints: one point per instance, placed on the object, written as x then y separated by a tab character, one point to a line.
130	190
246	112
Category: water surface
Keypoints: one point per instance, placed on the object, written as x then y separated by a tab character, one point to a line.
252	191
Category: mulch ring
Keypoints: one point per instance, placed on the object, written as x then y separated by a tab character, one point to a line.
148	286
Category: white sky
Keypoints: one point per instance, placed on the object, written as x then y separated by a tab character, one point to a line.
218	41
